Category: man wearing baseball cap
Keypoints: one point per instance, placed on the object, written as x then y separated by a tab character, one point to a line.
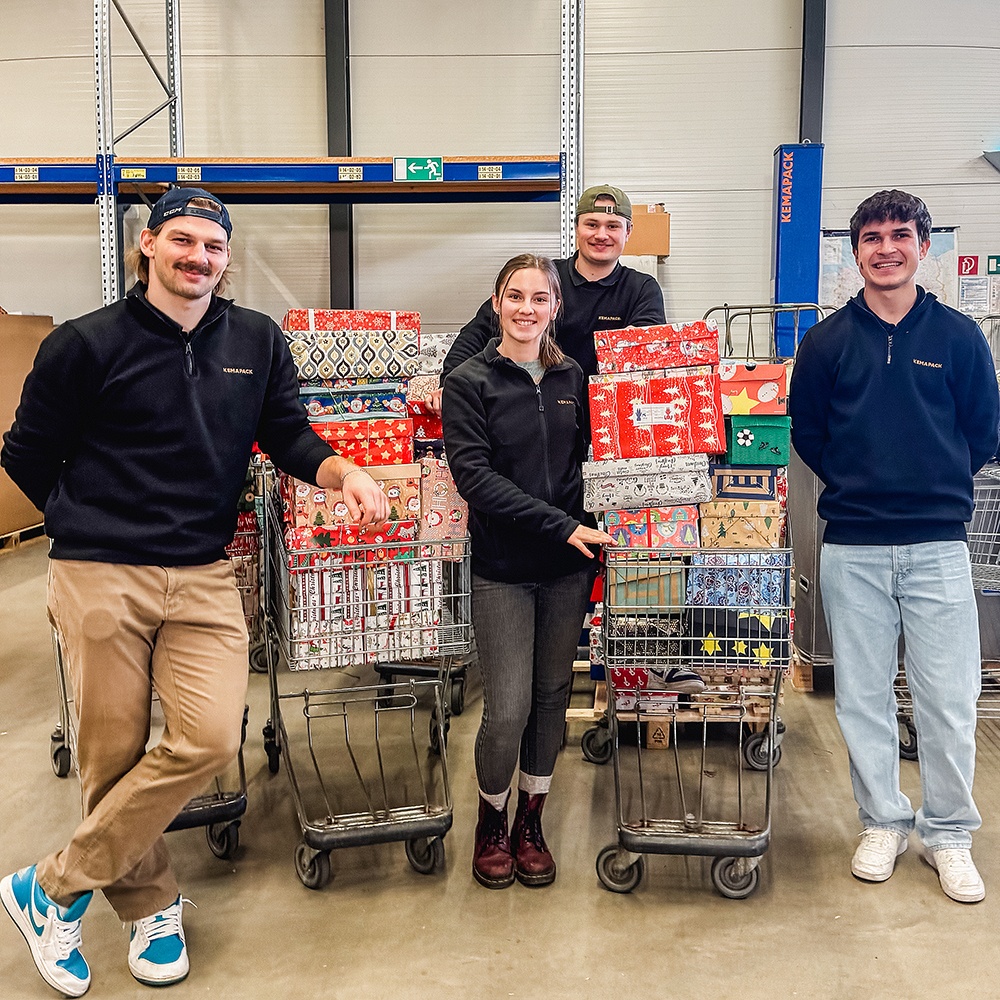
133	435
599	293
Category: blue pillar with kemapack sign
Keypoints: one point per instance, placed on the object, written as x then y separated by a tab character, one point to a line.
798	197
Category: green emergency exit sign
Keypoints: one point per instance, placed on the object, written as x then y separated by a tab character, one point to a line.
418	168
993	264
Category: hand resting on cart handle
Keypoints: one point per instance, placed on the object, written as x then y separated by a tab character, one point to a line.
367	504
584	536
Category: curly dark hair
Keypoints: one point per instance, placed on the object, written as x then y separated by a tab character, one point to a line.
898	206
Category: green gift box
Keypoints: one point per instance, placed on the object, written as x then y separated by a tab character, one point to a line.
764	439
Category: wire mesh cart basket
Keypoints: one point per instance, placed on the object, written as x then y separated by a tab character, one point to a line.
359	774
245	554
218	810
695	645
984	555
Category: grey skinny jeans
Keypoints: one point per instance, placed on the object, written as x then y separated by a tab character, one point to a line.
527	635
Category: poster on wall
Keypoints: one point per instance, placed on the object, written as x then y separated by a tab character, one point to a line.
839	278
974	296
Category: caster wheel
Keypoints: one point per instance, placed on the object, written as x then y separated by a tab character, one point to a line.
730	884
258	659
62	761
312	867
756	749
223	839
457	703
613	875
596	745
907	740
435	735
425	854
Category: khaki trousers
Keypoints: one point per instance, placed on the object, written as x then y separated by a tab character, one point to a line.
126	631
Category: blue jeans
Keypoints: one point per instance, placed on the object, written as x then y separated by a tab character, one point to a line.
527	636
871	594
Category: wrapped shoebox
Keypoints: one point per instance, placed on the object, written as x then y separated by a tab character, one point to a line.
654	527
429	448
672	412
645	640
381	399
757	638
741	524
390	541
654	481
434	348
753	388
369	442
749	482
645	585
633	693
764	439
328	344
739	579
443	512
642	348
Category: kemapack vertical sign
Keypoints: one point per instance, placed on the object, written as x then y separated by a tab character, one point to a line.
798	197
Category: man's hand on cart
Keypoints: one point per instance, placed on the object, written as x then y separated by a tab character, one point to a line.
584	536
366	503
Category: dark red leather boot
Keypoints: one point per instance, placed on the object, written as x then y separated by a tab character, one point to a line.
492	863
533	863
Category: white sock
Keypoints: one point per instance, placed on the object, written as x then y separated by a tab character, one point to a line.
499	802
534	784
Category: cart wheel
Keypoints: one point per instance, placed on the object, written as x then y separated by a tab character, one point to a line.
756	749
731	885
615	876
312	867
907	745
457	703
62	761
596	745
258	659
271	748
434	735
223	839
425	854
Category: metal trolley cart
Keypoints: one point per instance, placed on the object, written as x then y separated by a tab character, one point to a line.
365	781
724	615
984	554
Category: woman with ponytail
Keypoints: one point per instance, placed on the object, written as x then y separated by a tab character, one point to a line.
515	430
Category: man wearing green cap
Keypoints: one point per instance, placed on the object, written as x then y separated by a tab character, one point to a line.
599	293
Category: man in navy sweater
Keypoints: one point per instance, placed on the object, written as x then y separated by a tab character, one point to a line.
895	407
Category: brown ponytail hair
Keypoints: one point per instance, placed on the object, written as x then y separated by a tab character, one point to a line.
549	352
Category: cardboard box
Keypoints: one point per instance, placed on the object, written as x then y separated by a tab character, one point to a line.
749	482
758	439
741	525
20	337
650	231
655	481
647	348
753	388
654	527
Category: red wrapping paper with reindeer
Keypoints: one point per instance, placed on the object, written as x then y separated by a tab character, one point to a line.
672	412
645	348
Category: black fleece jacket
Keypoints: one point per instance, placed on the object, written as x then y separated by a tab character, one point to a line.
134	439
515	449
895	421
626	297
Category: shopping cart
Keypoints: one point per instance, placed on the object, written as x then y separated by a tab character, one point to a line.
218	810
683	785
245	554
984	554
365	781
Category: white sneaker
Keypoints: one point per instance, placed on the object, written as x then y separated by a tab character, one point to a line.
875	858
957	872
157	953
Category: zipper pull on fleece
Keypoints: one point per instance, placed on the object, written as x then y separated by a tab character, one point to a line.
188	358
538	395
888	357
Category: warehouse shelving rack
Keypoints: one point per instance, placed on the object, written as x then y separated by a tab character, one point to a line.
113	182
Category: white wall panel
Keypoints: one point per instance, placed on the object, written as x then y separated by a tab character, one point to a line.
926	24
441	260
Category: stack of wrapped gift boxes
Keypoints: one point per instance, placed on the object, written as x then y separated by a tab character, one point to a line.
661	404
356	596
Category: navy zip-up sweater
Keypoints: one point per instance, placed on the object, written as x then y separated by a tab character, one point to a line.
134	438
895	421
516	450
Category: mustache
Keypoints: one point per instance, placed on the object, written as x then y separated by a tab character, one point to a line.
202	269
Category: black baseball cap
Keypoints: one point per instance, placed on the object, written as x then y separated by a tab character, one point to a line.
177	201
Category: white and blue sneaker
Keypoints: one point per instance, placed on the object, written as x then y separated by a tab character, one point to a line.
157	954
52	931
